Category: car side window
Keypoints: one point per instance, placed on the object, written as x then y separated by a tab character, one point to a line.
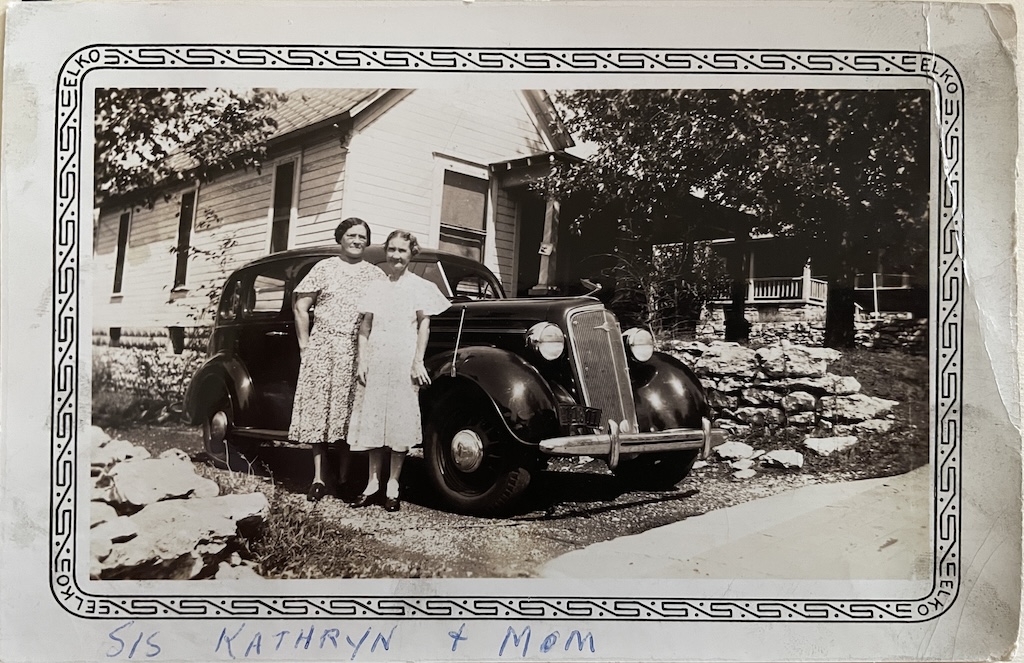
430	271
471	283
264	293
230	301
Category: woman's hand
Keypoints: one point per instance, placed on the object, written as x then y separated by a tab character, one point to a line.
361	372
419	374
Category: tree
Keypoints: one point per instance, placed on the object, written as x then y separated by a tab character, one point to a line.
845	171
150	136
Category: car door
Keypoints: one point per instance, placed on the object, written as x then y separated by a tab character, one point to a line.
268	348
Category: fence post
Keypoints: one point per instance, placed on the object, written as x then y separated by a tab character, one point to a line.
805	284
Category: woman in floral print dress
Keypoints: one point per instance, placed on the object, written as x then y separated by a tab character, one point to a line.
392	340
324	393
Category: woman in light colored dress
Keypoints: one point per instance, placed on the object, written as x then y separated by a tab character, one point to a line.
392	340
324	393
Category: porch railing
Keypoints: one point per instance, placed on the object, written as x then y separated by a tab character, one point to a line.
795	289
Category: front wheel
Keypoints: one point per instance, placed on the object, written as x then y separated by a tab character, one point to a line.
221	444
472	461
657	471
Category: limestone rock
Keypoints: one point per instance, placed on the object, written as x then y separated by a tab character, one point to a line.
100	512
729	384
761	396
795	361
745	464
717	399
699	464
115	451
854	407
116	530
826	446
734	451
786	458
243	571
175	453
801	419
869	426
97	437
727	359
144	482
730	426
830	384
182	539
744	474
799	401
760	416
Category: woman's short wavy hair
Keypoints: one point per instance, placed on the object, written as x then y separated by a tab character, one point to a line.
414	244
350	222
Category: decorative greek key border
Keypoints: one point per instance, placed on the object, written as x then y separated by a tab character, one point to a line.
72	129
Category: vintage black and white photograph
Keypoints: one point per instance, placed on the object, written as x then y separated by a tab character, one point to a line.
671	334
510	333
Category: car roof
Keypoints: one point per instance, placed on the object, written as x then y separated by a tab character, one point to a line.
373	254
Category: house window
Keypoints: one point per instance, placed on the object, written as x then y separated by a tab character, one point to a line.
463	215
122	247
185	218
284	184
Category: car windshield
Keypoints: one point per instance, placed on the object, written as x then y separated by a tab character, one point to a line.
459	281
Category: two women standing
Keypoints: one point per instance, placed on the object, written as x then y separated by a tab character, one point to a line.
366	377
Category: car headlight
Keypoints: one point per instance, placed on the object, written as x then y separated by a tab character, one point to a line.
640	343
547	339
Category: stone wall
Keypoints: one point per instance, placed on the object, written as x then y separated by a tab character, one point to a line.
144	373
886	334
781	385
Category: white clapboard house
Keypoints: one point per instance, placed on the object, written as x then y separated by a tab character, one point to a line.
451	165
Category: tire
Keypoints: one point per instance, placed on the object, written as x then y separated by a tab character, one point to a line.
504	469
224	448
656	471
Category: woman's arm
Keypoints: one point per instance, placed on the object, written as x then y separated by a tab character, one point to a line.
419	372
300	311
365	327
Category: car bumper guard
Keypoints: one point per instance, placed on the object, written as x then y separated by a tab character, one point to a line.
617	440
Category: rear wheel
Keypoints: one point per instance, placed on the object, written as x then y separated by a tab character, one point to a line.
220	442
472	461
656	471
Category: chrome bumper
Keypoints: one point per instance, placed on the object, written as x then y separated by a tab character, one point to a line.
615	442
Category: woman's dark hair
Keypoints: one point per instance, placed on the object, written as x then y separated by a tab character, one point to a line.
351	221
414	244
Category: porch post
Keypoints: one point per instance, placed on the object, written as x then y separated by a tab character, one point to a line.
740	270
805	286
548	251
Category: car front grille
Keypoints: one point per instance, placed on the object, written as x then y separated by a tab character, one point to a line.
599	361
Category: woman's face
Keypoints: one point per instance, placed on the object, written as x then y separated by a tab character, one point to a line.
354	241
398	255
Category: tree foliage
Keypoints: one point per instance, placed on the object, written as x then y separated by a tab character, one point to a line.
149	136
845	171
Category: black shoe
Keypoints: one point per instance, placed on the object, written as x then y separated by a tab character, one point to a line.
316	491
392	504
363	500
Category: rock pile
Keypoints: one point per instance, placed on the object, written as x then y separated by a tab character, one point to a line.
781	385
156	518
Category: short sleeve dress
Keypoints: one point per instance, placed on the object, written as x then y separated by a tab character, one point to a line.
387	409
324	393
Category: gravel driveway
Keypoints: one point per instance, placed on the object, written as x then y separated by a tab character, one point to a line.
574	503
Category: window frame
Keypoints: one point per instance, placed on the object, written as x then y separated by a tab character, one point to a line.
181	260
442	164
293	210
121	251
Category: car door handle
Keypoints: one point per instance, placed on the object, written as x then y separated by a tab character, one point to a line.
276	333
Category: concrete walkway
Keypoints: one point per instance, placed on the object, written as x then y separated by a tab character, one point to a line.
872	529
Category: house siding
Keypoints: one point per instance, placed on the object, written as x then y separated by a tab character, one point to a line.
392	172
388	174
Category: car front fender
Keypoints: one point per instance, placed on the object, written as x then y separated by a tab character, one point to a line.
218	376
522	398
668	394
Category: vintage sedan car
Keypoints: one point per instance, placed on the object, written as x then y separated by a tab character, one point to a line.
514	381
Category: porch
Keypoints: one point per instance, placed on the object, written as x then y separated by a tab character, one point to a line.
803	289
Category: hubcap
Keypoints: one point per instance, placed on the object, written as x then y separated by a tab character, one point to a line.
467	450
218	427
